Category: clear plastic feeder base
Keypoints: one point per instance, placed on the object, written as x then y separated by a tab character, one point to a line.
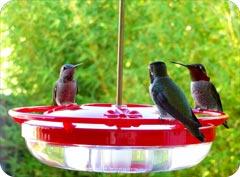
110	159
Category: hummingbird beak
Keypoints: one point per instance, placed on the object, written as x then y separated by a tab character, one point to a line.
77	65
187	66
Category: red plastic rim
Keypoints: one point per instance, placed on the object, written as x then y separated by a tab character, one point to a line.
23	114
123	126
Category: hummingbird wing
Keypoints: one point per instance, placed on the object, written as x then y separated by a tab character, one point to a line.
216	96
54	91
161	100
76	87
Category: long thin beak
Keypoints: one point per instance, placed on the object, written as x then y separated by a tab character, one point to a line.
180	64
77	65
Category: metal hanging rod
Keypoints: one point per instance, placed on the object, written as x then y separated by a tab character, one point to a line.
120	53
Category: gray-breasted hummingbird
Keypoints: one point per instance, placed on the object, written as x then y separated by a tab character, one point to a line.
203	91
66	88
170	99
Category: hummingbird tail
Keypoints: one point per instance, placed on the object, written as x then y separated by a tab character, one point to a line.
201	137
193	127
225	124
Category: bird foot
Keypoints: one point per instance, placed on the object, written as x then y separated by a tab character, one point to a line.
71	106
198	108
161	117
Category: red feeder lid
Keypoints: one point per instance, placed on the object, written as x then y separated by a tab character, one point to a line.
108	125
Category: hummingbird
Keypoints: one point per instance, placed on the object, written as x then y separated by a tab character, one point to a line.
65	89
170	99
203	91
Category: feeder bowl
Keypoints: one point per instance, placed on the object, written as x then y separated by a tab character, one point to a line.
107	138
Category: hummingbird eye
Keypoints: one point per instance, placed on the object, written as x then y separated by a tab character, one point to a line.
202	68
198	67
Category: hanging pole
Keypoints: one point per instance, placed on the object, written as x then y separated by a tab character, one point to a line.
120	53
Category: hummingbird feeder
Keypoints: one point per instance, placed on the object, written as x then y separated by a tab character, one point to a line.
121	138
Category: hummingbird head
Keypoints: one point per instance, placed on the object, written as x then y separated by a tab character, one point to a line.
67	72
150	75
197	71
158	68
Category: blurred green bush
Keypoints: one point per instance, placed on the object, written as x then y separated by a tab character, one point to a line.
40	36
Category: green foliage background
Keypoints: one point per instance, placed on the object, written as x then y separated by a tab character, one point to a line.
45	34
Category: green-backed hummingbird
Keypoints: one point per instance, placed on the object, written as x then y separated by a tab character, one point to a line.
66	88
170	99
203	91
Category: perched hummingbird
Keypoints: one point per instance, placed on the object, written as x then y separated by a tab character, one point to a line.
170	99
65	89
203	91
